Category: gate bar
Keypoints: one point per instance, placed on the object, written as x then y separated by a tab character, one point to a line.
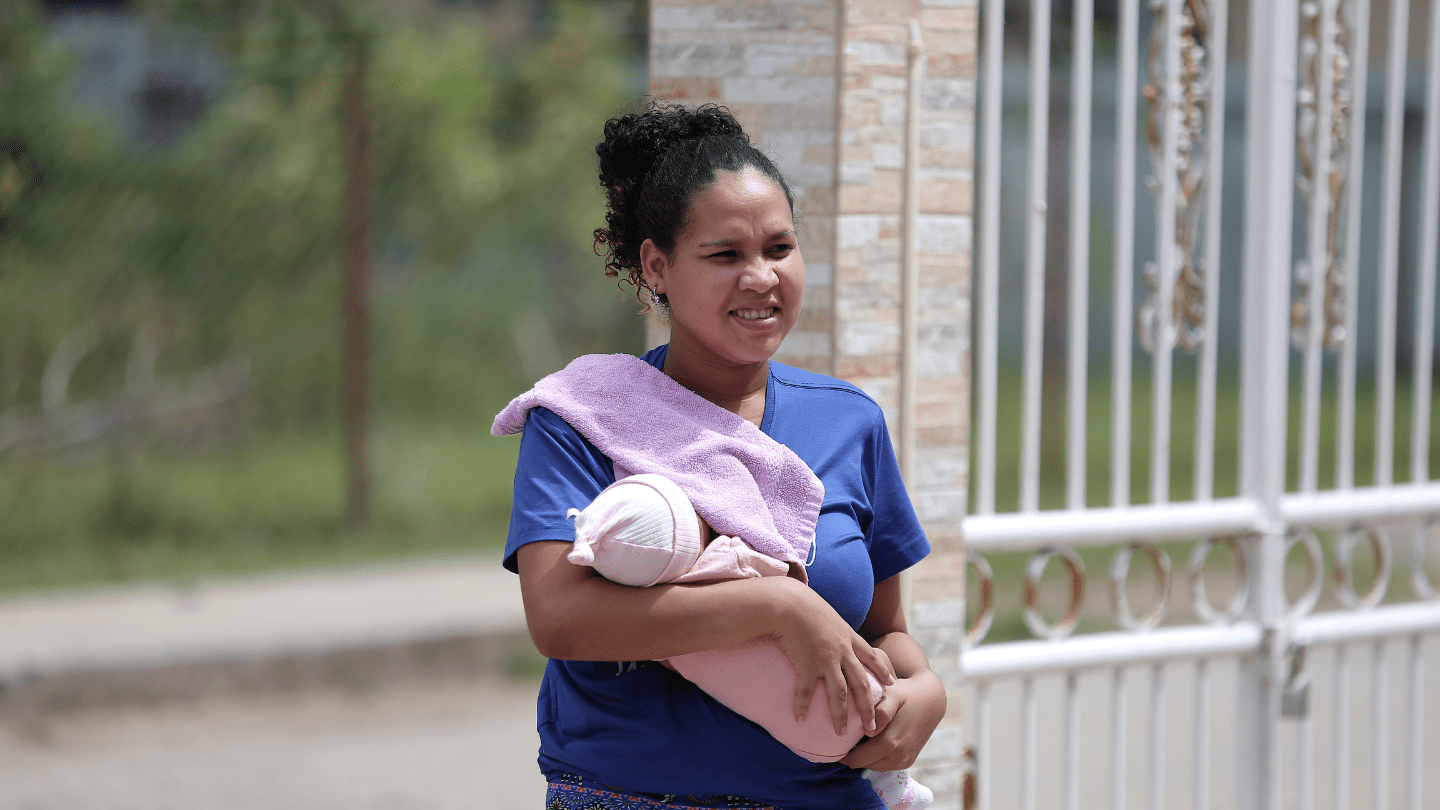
1414	741
1166	258
1157	737
1390	244
1123	246
1081	99
1317	239
1202	734
1425	271
1379	728
1117	740
1029	731
1376	623
984	718
1214	177
1182	521
1305	762
1355	163
987	337
1036	216
1269	221
1072	743
1340	788
1106	650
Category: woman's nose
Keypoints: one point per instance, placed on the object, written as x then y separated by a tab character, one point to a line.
759	276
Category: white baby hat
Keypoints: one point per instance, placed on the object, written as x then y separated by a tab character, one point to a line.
640	530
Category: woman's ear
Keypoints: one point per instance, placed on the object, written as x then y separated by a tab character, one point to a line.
653	264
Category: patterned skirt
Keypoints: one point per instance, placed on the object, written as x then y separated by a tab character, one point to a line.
569	792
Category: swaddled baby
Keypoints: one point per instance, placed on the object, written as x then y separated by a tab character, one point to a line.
641	531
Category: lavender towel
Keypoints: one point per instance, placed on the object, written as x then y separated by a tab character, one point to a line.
741	481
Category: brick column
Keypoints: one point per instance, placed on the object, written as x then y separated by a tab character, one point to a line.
867	295
821	84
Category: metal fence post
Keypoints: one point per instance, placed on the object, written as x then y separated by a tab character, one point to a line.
1270	160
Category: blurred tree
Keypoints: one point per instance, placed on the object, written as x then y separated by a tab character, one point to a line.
483	198
225	239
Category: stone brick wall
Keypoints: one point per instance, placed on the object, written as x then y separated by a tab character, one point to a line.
822	85
773	64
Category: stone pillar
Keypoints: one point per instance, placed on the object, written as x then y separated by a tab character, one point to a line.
821	85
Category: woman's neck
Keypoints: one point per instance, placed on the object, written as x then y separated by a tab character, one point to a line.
738	389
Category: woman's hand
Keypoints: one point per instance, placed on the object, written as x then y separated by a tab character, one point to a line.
914	705
574	613
905	718
824	650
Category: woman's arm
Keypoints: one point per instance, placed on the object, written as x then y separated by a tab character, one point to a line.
914	705
573	613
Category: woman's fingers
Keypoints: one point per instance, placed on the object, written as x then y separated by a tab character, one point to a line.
879	664
858	681
804	693
906	717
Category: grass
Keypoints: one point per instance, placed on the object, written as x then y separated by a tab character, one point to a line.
273	502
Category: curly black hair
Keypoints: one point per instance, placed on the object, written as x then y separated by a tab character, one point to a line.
651	164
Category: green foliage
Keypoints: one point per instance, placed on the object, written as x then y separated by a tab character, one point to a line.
483	185
229	243
270	502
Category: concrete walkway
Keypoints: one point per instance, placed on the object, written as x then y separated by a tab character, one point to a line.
382	687
260	632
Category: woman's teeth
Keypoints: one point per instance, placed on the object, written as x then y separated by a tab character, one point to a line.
755	314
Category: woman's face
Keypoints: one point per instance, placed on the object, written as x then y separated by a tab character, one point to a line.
735	278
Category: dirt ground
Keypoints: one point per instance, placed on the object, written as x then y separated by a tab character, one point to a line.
454	744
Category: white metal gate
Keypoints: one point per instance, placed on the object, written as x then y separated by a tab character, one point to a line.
1307	685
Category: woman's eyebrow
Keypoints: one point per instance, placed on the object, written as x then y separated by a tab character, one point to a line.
729	242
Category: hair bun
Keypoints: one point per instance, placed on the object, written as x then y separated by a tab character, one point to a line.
635	141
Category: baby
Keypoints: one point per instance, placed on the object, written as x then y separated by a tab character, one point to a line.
642	531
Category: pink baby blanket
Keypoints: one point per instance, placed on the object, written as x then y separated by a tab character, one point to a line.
741	481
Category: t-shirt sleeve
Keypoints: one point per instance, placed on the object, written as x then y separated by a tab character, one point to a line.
896	539
557	470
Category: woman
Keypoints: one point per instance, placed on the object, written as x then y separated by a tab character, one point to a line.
702	222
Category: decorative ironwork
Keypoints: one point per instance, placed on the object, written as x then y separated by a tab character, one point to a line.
1329	172
1120	571
985	616
1345	562
1034	570
1314	558
1419	552
1200	600
1189	167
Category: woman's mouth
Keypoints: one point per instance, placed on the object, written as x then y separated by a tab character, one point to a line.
755	314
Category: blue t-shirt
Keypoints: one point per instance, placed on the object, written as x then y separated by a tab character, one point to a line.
641	728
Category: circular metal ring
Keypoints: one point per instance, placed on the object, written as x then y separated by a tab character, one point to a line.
1119	572
976	632
1200	600
1305	537
1033	572
1419	548
1344	565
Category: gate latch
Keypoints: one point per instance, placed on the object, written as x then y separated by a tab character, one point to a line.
1295	698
